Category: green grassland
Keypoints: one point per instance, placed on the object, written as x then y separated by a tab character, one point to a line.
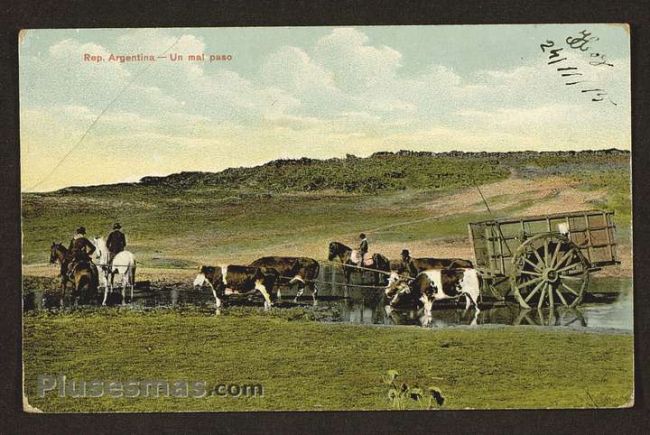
314	366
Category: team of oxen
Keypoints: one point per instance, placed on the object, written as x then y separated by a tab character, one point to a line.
417	284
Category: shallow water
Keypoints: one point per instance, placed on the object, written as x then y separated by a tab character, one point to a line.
609	306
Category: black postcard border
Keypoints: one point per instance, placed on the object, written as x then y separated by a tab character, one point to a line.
96	14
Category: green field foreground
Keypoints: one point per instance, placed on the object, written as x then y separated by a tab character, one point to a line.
318	366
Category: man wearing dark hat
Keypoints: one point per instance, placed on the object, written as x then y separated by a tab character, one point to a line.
407	263
80	248
116	242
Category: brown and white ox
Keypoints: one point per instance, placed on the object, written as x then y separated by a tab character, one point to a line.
236	279
291	270
434	285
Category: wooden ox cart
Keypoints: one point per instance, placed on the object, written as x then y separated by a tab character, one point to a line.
546	260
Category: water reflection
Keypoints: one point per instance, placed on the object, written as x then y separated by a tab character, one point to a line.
560	316
595	316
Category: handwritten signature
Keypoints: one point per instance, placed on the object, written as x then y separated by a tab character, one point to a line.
581	43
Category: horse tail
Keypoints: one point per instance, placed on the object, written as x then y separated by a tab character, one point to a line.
133	273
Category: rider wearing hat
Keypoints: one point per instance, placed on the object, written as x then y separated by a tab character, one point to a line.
80	248
115	242
363	247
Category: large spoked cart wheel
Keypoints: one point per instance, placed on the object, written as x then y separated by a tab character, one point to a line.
549	269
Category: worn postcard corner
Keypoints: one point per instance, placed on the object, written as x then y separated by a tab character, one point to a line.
29	408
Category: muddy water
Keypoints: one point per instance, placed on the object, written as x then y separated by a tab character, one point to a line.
609	305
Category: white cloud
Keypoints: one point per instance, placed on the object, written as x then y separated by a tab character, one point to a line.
291	69
355	65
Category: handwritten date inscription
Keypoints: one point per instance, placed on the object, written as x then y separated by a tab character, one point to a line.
573	74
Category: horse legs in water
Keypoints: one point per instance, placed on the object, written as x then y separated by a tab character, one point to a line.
82	284
132	279
111	284
127	281
62	293
107	285
64	285
105	292
125	284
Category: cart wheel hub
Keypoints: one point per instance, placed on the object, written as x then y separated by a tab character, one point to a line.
550	275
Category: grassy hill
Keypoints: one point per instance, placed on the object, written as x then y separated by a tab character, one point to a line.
294	207
383	171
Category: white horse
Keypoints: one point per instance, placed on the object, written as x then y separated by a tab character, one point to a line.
123	265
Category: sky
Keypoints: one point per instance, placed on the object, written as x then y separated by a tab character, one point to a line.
319	92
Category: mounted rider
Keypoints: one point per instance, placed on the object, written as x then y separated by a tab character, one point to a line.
81	249
115	242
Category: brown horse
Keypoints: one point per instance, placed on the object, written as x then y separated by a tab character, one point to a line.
85	276
380	263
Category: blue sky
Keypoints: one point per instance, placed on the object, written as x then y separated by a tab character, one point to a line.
308	91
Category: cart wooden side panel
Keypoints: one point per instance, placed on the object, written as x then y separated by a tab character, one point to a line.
495	241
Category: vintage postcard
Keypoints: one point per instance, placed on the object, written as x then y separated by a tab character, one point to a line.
326	218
